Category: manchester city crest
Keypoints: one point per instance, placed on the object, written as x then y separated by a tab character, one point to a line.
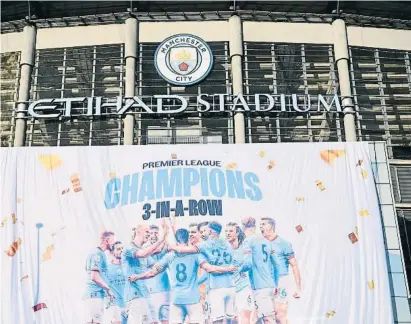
183	59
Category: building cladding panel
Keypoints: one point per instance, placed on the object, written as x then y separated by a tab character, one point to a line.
283	52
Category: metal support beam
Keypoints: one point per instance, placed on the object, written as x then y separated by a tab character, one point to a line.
26	68
342	60
130	52
236	58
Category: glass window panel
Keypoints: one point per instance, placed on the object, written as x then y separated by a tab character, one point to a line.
89	71
8	94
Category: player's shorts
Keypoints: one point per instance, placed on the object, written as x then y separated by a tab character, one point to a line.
94	308
284	289
179	313
221	303
206	308
263	301
139	311
159	306
114	314
244	300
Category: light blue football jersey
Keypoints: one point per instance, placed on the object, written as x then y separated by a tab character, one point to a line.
260	261
220	253
284	252
161	282
183	270
133	265
116	281
96	261
241	279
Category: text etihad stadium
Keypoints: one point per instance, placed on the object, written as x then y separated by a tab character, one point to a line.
175	104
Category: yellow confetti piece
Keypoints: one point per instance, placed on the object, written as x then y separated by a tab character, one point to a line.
356	230
364	174
299	199
359	163
271	165
4	221
14	218
47	254
371	284
329	156
364	212
261	154
320	185
330	314
112	175
232	165
50	161
18	200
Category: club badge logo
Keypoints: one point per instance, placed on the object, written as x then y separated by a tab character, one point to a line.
183	59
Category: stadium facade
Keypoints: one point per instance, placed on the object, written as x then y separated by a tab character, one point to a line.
331	76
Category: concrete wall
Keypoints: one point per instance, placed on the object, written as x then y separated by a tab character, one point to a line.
211	31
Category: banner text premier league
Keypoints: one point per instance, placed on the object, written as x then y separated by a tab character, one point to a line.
160	180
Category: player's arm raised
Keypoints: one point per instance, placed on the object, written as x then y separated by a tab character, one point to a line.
217	269
183	249
145	252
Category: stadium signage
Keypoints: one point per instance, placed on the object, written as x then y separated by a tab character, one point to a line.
183	59
175	104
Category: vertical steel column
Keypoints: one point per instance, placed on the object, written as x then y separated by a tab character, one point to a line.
236	58
26	68
342	61
130	52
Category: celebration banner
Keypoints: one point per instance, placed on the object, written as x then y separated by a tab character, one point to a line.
265	233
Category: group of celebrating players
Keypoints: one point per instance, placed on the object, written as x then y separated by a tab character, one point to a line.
199	278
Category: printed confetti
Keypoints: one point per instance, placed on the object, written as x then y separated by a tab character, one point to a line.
24	277
39	306
65	191
364	174
329	156
299	199
364	212
371	284
271	165
75	181
47	254
232	165
18	200
4	221
14	218
353	238
320	185
330	314
12	250
50	161
299	228
359	163
173	156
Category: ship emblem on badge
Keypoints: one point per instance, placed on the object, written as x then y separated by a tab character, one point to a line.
183	59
